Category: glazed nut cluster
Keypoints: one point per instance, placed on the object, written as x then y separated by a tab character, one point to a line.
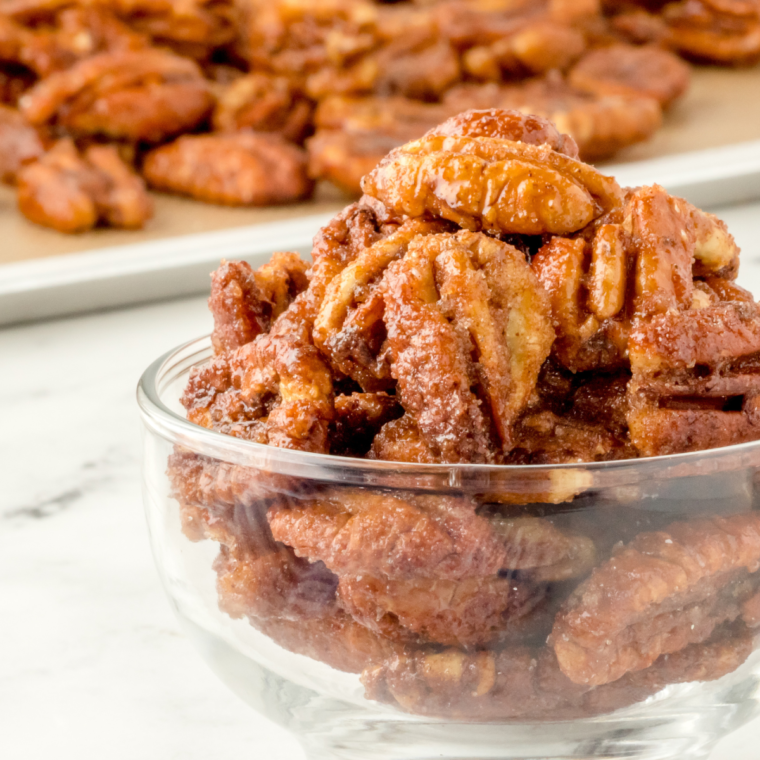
490	300
486	297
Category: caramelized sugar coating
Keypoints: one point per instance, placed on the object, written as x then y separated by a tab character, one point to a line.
643	264
145	95
263	103
508	125
349	328
358	532
525	683
448	287
401	441
244	302
278	389
19	143
72	192
493	184
631	71
695	379
600	125
236	169
471	612
661	592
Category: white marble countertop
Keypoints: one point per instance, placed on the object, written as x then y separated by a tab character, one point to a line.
93	664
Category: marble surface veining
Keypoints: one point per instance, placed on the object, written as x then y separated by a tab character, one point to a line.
92	663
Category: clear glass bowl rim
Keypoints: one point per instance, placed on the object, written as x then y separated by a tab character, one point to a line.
175	428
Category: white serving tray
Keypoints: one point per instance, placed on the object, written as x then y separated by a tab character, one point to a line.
180	266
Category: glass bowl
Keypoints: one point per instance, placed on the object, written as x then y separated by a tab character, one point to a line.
423	650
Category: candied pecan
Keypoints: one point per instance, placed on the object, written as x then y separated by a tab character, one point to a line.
487	290
354	134
293	602
533	46
19	143
526	683
344	158
514	38
271	582
236	169
630	270
659	593
693	350
508	125
277	389
600	125
263	103
72	192
244	302
674	242
470	612
302	36
194	28
75	34
494	184
132	95
349	329
594	334
695	383
357	531
725	32
632	71
637	26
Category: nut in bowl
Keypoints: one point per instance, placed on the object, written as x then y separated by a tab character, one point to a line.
481	480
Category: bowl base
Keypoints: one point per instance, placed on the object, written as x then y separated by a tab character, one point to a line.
331	729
